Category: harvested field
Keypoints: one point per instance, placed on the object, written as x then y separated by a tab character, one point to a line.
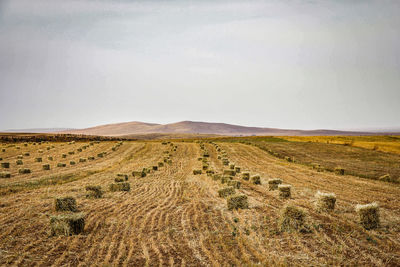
173	217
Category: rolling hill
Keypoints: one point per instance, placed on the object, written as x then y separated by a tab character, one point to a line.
203	128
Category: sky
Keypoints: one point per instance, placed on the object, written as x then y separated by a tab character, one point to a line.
329	64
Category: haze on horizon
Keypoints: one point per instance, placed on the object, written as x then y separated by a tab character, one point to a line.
284	64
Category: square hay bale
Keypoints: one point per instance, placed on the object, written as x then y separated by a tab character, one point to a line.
196	172
225	162
94	191
284	191
91	158
273	184
237	202
160	164
119	180
292	218
27	154
40	151
209	172
232	166
124	176
216	177
120	187
64	156
82	160
234	184
154	168
79	149
38	159
66	204
368	215
5	175
46	167
229	172
19	162
50	158
61	165
72	162
100	155
227	191
339	171
67	224
225	179
146	170
237	169
325	201
24	171
20	157
218	157
3	150
205	166
256	179
138	174
246	176
169	161
206	155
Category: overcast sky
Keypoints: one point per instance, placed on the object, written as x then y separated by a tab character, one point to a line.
287	64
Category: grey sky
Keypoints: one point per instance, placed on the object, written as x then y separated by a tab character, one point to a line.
288	64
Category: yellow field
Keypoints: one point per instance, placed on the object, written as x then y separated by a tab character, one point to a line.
381	143
173	217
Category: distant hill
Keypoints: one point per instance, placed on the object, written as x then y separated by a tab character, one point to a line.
38	130
203	128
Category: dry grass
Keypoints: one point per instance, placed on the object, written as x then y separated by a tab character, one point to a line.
172	217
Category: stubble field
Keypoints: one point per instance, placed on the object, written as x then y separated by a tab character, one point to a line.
173	217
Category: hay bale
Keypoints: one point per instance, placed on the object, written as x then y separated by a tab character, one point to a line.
237	202
50	158
234	184
146	170
284	191
61	165
273	184
226	179
64	156
100	155
5	175
71	152
27	154
232	166
229	172
82	160
40	151
67	224
119	180
66	204
196	172
91	158
225	162
368	215
325	201
292	218
205	166
216	177
237	169
138	174
120	187
72	162
46	167
227	191
24	171
124	176
20	157
161	164
256	179
210	172
19	162
246	176
339	171
38	159
3	150
154	168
